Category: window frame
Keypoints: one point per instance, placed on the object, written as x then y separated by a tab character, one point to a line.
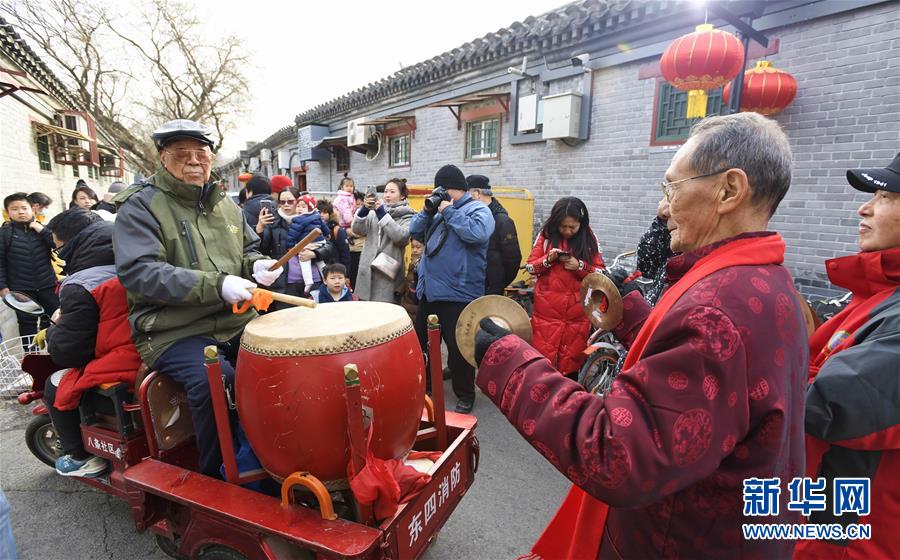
337	160
466	153
76	172
390	142
654	125
44	153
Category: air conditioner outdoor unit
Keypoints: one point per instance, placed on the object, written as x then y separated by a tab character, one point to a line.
357	134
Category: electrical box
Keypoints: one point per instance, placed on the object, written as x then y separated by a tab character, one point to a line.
357	134
527	118
308	137
562	115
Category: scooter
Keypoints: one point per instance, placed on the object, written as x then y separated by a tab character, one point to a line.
40	435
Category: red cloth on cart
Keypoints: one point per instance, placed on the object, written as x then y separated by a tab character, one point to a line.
385	484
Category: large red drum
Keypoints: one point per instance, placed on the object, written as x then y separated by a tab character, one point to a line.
290	385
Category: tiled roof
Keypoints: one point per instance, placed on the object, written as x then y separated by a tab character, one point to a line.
13	46
285	133
554	31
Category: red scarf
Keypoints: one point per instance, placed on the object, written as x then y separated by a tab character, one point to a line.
576	531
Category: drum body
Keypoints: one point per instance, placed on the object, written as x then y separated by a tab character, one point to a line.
290	385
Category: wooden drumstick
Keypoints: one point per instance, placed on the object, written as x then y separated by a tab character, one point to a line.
296	249
284	298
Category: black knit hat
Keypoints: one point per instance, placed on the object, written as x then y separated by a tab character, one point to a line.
450	177
481	183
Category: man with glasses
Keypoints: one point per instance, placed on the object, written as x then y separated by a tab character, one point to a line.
711	393
184	253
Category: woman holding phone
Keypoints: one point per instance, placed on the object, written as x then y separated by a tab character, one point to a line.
564	253
385	225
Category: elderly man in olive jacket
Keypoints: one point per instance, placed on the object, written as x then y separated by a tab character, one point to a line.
183	253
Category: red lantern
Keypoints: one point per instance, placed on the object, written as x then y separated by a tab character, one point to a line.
244	177
767	90
700	61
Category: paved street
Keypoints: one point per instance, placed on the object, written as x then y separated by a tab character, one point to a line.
514	494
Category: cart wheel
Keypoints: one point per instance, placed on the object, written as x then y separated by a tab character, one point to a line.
220	553
42	441
596	374
169	547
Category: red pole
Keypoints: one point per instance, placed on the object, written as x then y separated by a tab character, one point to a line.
220	409
437	381
356	432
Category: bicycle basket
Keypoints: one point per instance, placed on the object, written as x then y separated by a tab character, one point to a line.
12	379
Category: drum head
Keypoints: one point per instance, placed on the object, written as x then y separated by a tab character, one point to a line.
593	289
502	310
325	329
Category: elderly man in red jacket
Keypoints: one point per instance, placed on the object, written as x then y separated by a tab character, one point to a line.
712	391
853	400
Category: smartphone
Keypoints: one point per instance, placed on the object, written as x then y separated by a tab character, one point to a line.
372	190
564	254
267	204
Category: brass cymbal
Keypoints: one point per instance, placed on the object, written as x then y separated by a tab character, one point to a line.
502	310
594	286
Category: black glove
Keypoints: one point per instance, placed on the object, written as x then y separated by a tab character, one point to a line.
488	333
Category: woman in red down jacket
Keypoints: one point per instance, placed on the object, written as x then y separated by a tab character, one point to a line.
564	253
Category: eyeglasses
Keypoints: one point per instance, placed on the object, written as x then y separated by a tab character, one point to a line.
668	187
286	202
183	155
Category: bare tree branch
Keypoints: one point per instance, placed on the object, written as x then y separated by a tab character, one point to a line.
133	71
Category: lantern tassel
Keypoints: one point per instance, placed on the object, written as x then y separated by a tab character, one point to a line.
696	106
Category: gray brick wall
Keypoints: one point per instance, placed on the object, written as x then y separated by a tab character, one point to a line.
846	114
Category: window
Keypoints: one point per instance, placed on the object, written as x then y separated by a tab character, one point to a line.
91	172
398	147
341	159
43	151
669	124
75	171
483	139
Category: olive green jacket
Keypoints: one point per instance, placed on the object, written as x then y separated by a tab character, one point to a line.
173	250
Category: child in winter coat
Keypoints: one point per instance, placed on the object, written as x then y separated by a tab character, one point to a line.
344	205
307	220
334	288
564	253
25	250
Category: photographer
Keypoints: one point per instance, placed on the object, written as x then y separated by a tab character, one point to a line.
452	270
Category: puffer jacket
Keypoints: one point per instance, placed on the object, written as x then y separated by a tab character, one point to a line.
344	206
456	242
274	243
560	327
504	255
92	335
174	245
388	234
25	258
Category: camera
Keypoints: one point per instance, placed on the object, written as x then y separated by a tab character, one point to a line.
434	200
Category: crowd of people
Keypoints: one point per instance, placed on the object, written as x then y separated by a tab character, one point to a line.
720	383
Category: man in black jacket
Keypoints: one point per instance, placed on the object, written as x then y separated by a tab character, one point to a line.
504	255
259	188
25	260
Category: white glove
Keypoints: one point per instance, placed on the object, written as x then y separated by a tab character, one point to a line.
262	274
235	289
